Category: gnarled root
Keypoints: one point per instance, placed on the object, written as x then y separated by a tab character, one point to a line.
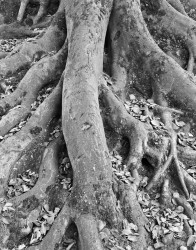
47	177
36	127
47	173
137	132
176	4
45	71
56	232
181	27
133	212
51	41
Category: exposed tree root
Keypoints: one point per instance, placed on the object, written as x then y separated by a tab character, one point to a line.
47	173
52	40
49	69
147	61
97	193
180	27
56	232
47	176
181	201
88	233
133	213
36	127
15	30
165	194
137	132
176	4
187	154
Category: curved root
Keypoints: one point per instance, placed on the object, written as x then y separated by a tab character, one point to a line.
47	173
33	51
56	232
36	127
133	213
48	69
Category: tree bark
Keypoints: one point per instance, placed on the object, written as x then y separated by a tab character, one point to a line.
97	119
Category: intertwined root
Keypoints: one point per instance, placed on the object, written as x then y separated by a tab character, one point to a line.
140	135
33	134
97	194
181	28
47	70
29	52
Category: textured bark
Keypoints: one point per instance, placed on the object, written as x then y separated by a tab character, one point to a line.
82	124
84	39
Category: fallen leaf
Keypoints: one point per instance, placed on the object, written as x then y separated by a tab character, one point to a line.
132	97
132	238
5	221
101	225
180	123
21	247
158	245
155	123
191	240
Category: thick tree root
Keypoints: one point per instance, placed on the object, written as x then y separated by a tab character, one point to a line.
176	4
82	124
36	127
133	212
47	70
56	232
159	72
47	177
190	181
51	41
181	201
47	173
137	132
88	233
182	27
14	30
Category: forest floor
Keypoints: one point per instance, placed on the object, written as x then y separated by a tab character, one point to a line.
164	224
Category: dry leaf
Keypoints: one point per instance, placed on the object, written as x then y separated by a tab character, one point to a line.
132	238
155	123
158	245
191	240
5	221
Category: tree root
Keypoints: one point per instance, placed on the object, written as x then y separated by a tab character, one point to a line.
47	173
47	177
133	212
190	181
137	132
187	154
181	201
181	27
47	70
154	65
82	124
165	194
29	51
176	4
88	233
36	127
56	232
14	30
